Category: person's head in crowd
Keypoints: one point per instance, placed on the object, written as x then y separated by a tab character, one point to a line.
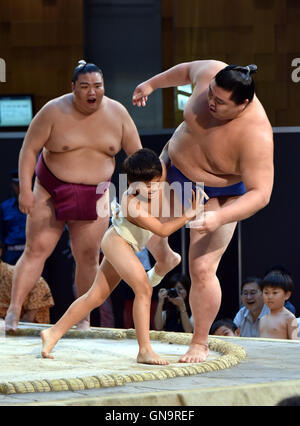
181	284
251	295
281	273
277	287
224	327
291	401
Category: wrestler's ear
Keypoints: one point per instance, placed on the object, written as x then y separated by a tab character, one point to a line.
245	103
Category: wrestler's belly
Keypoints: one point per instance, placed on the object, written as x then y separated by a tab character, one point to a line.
195	166
86	167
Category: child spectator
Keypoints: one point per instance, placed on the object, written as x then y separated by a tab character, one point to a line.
224	327
280	323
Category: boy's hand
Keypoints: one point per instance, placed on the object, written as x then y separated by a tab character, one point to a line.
196	208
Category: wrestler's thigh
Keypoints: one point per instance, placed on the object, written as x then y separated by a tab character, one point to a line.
42	229
86	235
207	249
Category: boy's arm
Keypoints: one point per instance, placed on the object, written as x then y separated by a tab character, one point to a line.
161	229
293	329
144	220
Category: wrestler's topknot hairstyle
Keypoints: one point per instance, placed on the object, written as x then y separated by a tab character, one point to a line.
83	68
278	276
239	81
142	166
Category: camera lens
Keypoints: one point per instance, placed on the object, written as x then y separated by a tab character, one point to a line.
172	292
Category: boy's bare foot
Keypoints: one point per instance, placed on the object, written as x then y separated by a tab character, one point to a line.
198	352
48	343
150	357
11	321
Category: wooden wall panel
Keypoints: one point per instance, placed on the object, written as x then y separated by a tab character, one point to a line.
41	42
265	32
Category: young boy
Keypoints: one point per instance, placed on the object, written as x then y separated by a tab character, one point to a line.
132	226
224	327
280	323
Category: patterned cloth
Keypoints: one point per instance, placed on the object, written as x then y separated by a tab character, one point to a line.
40	297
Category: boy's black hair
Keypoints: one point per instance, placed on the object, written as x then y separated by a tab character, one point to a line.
278	278
223	322
239	81
142	166
84	68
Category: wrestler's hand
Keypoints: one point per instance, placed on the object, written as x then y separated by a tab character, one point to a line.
26	202
209	223
141	93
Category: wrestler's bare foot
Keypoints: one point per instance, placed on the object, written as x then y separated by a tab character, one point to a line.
148	356
48	343
198	352
162	268
83	325
11	321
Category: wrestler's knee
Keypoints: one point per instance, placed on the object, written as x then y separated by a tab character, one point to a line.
87	256
202	271
37	250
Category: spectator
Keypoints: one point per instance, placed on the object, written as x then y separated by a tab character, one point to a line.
224	327
173	312
248	317
291	401
12	225
287	304
36	307
280	323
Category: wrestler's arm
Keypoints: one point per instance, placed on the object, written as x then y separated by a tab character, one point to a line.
257	172
36	137
130	138
181	74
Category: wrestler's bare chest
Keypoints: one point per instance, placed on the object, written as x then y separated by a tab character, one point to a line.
205	149
100	132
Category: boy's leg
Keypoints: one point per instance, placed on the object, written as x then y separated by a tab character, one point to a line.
106	280
130	269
